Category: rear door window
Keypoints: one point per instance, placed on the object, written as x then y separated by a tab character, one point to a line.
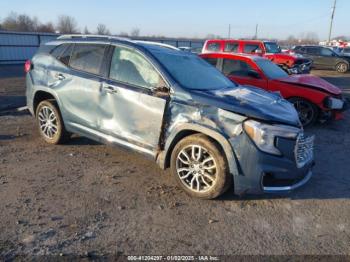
235	68
313	50
251	48
213	47
88	57
231	47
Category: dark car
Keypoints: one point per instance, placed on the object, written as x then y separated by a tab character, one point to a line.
173	107
324	57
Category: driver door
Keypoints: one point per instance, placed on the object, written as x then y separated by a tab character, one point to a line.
132	111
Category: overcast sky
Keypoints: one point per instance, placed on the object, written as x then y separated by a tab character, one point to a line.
194	18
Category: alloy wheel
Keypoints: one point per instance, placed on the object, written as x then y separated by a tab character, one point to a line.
196	168
48	122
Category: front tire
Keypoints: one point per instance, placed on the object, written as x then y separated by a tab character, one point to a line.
342	67
200	168
50	124
307	111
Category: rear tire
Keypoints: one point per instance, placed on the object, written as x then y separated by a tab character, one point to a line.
200	168
50	123
307	111
342	67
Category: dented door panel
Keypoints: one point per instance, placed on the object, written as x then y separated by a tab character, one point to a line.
131	114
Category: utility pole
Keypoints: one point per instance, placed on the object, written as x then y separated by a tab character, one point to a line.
229	31
332	18
256	31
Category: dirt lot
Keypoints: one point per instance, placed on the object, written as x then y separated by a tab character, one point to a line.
89	199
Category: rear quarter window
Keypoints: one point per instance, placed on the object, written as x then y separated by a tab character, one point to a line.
58	50
88	58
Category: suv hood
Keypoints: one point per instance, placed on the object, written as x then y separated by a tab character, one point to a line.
311	82
251	102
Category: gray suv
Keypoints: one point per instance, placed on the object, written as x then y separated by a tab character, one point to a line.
173	107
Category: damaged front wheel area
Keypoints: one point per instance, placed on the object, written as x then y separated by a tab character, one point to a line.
200	168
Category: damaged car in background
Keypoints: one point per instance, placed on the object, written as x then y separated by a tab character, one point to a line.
173	107
313	97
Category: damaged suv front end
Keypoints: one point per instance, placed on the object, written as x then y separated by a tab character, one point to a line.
259	132
270	150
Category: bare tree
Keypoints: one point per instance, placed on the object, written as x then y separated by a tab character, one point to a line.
14	22
125	34
67	25
102	30
86	31
135	32
46	28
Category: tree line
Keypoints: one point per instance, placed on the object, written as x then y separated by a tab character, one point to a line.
65	25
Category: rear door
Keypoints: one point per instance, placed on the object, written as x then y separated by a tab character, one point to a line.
313	52
78	86
132	109
243	73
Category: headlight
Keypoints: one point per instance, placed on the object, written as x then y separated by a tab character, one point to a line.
264	135
333	103
293	70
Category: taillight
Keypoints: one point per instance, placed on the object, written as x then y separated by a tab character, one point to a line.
28	66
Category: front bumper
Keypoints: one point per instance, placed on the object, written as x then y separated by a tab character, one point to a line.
261	172
276	189
303	68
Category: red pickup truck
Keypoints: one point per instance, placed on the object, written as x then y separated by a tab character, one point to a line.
290	63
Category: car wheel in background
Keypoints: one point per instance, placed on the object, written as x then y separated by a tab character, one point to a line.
342	67
200	168
307	111
50	124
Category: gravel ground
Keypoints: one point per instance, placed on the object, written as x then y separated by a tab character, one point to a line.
89	199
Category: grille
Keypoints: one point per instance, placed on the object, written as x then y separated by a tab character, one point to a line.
304	150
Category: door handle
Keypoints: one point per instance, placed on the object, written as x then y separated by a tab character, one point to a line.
109	88
60	77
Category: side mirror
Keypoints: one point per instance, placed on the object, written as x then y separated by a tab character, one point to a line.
258	52
254	74
161	90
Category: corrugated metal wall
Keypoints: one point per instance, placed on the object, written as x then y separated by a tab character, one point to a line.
16	47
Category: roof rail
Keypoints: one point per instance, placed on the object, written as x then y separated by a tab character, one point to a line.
157	44
108	37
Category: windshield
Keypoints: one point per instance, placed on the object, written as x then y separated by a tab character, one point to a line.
272	48
270	69
191	71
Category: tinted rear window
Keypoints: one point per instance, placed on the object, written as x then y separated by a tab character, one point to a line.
88	58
